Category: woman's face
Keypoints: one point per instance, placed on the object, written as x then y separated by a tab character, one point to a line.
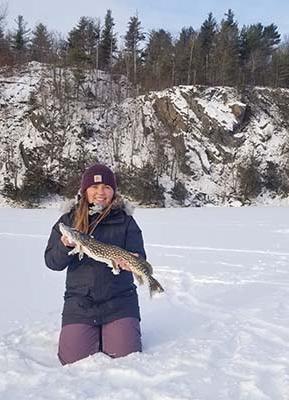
99	194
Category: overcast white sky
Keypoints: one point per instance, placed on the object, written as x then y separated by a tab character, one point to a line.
62	15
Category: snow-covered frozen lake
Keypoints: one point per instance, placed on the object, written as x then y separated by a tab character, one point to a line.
220	331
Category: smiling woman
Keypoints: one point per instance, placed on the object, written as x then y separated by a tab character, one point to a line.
101	311
100	194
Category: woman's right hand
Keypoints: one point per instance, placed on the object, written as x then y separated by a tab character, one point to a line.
67	242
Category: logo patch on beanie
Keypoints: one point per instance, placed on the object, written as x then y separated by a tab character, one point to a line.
97	178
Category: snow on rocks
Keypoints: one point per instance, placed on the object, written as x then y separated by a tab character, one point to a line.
194	135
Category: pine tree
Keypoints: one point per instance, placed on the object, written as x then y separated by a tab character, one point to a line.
3	15
206	40
251	51
107	46
21	36
83	42
271	38
226	52
159	60
5	52
258	44
133	37
186	57
41	44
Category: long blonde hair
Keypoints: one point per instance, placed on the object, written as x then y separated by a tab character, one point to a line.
80	221
81	215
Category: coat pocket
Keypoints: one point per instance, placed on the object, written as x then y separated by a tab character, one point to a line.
78	301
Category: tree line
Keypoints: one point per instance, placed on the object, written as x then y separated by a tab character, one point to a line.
215	54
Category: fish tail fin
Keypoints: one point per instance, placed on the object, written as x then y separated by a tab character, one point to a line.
154	286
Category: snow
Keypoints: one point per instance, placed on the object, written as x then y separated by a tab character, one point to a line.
220	331
202	125
214	107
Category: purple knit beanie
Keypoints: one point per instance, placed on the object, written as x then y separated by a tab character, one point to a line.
95	174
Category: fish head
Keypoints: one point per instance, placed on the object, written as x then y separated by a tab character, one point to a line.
68	232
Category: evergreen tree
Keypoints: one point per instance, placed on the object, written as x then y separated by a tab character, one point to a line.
207	42
83	42
107	46
133	37
3	15
258	44
21	36
271	38
5	52
41	44
159	60
186	57
251	51
226	52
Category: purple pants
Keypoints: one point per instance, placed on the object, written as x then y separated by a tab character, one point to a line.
116	339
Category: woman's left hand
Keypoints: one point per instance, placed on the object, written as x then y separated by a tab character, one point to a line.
123	264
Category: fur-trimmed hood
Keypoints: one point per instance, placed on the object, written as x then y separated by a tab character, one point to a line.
118	202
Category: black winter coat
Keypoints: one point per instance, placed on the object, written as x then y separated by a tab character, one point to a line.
94	295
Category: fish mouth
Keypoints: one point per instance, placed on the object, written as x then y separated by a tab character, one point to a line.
64	231
61	228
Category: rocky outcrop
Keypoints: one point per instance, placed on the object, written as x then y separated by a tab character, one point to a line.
188	145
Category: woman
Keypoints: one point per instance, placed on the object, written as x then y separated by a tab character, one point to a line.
101	311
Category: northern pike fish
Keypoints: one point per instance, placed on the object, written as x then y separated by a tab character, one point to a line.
107	253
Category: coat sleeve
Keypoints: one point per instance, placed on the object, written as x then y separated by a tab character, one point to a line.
56	254
134	239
